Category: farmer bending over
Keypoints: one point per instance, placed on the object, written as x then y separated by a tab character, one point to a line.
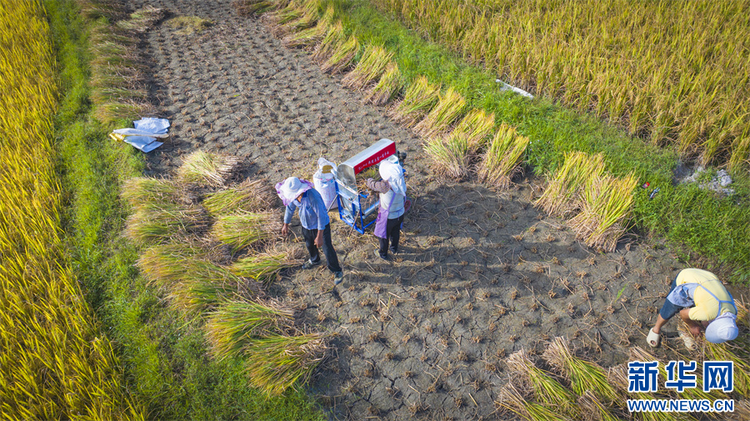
392	191
313	216
702	302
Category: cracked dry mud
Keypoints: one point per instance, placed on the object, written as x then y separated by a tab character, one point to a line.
480	275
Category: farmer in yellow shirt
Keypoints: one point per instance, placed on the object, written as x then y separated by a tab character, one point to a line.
702	302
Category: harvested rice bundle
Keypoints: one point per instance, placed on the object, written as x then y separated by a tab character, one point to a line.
198	297
502	160
309	18
617	376
312	35
448	109
205	168
606	207
332	39
583	375
387	87
512	400
476	126
418	100
265	266
450	156
737	352
186	263
143	19
253	7
236	323
249	196
342	56
139	191
592	409
371	66
280	16
275	363
547	390
244	229
560	196
155	223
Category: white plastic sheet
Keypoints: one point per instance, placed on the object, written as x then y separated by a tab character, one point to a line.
143	135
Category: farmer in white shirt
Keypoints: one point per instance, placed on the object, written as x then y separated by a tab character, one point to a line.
392	191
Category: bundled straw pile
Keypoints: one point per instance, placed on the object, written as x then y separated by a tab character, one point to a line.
501	162
560	198
244	229
448	110
249	196
546	389
418	100
371	66
275	363
206	169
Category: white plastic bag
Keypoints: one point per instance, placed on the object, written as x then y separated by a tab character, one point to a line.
324	181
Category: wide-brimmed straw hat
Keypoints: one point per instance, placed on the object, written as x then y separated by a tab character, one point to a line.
292	187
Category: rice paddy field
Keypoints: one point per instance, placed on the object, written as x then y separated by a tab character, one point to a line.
544	234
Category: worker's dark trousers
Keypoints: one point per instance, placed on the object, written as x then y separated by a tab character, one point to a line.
393	233
331	259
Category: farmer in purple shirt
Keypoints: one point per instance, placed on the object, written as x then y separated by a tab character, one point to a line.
313	216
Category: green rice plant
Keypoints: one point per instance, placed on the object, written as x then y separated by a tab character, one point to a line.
448	110
388	86
330	43
253	7
560	198
606	207
547	390
419	99
502	160
235	324
583	375
371	66
342	56
245	229
275	363
138	191
450	156
593	409
311	36
206	168
161	222
513	400
477	126
249	196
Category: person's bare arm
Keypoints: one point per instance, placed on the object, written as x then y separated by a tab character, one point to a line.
378	186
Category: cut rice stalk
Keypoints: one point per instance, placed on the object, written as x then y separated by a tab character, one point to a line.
155	223
206	168
448	110
476	126
262	267
450	156
249	196
309	18
547	390
592	409
583	375
275	363
560	198
168	264
198	297
331	41
139	191
342	56
371	66
729	351
387	87
236	323
309	37
419	99
244	229
512	400
253	7
502	160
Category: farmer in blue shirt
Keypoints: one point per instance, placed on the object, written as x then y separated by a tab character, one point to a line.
313	216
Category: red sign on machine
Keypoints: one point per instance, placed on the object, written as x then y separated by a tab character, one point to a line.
379	151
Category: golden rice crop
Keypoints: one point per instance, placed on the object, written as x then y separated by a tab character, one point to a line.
420	97
206	168
560	198
449	109
342	56
235	324
605	209
244	229
55	362
275	363
583	375
249	196
501	162
370	67
387	87
674	72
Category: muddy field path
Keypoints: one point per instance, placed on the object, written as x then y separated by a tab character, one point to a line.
480	275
